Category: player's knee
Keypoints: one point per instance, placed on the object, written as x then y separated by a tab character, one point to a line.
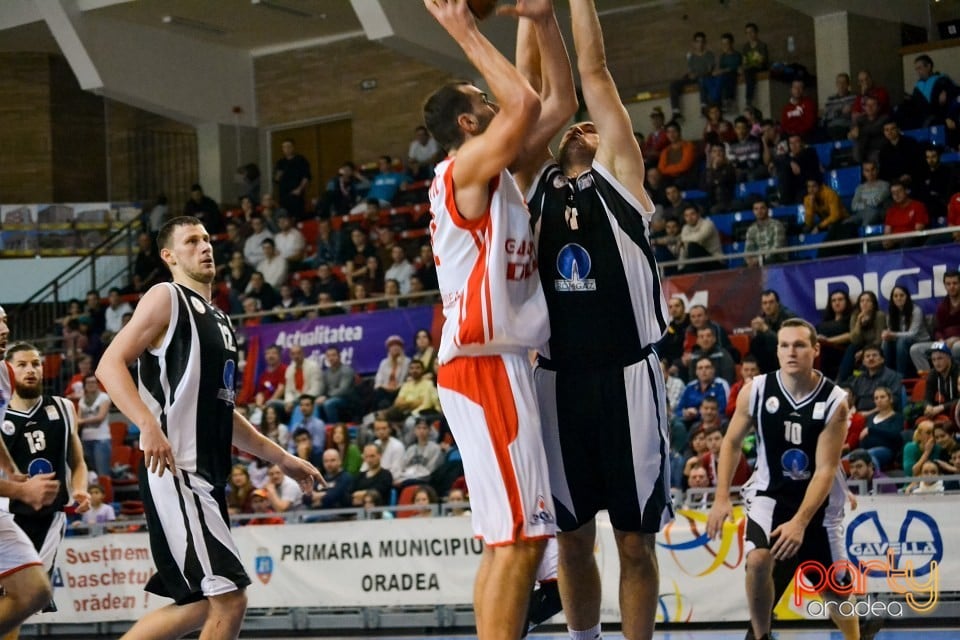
38	593
759	561
231	604
637	549
578	541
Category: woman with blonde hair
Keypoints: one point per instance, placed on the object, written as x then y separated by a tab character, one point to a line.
923	448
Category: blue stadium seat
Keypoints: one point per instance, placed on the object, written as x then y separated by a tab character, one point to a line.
789	214
949	158
724	222
825	150
693	194
731	248
920	135
806	239
844	181
938	135
871	230
755	187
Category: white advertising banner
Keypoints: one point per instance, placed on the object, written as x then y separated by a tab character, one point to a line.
912	546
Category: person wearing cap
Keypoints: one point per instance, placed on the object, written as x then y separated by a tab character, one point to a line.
946	323
941	394
863	467
260	503
656	141
391	373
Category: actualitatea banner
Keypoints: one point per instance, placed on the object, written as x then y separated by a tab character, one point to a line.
432	561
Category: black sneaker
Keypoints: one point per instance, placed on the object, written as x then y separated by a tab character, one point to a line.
544	604
869	627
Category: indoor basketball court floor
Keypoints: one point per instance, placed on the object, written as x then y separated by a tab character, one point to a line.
902	633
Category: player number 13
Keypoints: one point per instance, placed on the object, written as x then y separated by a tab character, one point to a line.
35	440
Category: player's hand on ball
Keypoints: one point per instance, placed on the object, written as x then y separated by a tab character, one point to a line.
532	9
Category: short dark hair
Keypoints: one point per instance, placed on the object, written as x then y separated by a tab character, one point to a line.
166	231
741	120
800	322
673	124
699	34
196	187
770	292
727	36
441	111
752	359
301	431
860	455
752	25
925	59
953	273
305	396
268	241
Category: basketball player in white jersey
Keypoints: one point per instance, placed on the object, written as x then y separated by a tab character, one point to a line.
24	585
794	502
183	402
599	381
494	313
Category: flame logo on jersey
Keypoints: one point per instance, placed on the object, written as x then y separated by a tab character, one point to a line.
573	264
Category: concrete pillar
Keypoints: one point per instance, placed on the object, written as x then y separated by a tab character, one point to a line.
831	34
221	149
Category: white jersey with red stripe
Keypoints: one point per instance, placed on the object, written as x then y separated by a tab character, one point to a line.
6	388
487	269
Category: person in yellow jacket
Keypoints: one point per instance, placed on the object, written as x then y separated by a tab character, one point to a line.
823	211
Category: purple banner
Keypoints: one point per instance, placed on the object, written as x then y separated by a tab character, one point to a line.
806	287
360	336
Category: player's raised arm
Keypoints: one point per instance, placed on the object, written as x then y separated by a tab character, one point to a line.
145	329
542	59
494	133
739	427
618	149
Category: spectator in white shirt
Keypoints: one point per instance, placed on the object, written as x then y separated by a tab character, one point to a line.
252	248
116	308
289	241
99	512
273	266
283	492
401	270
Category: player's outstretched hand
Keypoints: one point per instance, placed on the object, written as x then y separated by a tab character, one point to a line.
533	9
720	512
157	452
303	472
454	15
789	537
82	500
40	490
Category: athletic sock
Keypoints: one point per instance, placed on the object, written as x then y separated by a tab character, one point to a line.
593	633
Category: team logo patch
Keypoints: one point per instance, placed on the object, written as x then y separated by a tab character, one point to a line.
199	306
38	466
8	428
574	263
560	181
228	393
772	404
542	515
52	412
819	410
795	464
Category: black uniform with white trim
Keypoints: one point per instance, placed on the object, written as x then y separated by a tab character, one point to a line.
39	442
787	435
602	396
189	384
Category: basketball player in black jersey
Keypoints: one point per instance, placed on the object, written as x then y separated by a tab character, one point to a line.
602	398
40	432
183	402
793	499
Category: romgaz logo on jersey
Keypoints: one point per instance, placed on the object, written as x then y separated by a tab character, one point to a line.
573	263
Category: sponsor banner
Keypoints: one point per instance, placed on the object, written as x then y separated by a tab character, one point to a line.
417	561
805	287
360	336
733	296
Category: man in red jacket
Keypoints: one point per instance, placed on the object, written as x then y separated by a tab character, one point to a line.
799	115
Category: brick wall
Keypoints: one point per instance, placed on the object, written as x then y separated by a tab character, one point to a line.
25	137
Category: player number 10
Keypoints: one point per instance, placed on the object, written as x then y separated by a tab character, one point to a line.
792	432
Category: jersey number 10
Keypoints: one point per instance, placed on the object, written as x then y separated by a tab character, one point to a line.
792	432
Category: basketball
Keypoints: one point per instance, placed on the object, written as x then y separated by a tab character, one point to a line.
482	8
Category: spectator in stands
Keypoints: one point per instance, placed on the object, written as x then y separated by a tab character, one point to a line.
667	244
883	434
749	369
901	157
756	58
420	459
310	421
373	477
343	192
942	384
904	216
74	388
921	449
359	292
270	384
273	266
697	479
944	434
670	346
723	84
795	168
253	245
932	94
289	240
93	421
717	130
677	159
339	484
772	311
237	276
339	440
867	131
700	64
746	153
327	282
700	239
391	373
268	210
422	154
427	269
287	308
763	343
931	482
676	205
719	180
203	207
400	269
867	88
99	511
327	246
302	376
871	199
656	141
93	309
764	235
292	177
273	428
417	397
391	447
260	505
874	375
656	186
262	290
688	409
356	253
673	385
905	326
372	500
707	346
283	492
934	184
709	459
249	306
946	323
337	381
836	117
116	308
824	212
699	318
158	214
303	447
425	353
867	323
147	263
862	467
799	115
384	186
224	249
306	293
